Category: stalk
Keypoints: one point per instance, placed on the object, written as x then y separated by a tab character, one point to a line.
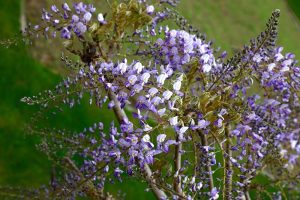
177	162
208	167
227	183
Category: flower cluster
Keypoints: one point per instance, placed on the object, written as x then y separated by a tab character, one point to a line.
185	102
179	48
128	149
67	21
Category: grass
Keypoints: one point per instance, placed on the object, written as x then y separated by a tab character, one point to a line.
229	23
295	7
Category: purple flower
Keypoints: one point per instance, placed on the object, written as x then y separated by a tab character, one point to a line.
127	127
65	33
182	130
218	123
66	7
152	91
54	9
146	140
87	16
145	77
80	28
177	85
132	79
173	121
156	100
118	172
161	112
122	67
101	18
161	138
75	18
136	89
206	68
161	78
111	104
167	95
150	9
138	67
167	145
202	124
80	7
214	194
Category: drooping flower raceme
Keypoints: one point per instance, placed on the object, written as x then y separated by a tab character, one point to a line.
193	127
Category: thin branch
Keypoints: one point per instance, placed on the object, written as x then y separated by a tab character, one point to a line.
91	190
177	163
22	16
121	116
247	195
208	167
227	184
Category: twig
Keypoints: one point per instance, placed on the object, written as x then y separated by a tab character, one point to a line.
177	162
208	167
121	116
91	190
227	188
247	195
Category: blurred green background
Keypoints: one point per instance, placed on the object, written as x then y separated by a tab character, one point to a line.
229	23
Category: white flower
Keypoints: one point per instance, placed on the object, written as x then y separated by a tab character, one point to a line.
132	79
167	95
146	138
205	58
293	143
257	58
192	180
101	18
161	138
206	68
271	66
145	77
138	67
173	121
87	16
287	62
180	78
150	9
56	21
285	69
161	78
199	186
92	69
123	67
173	33
156	100
161	112
203	48
177	85
152	91
278	56
147	128
185	180
66	7
183	129
167	29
